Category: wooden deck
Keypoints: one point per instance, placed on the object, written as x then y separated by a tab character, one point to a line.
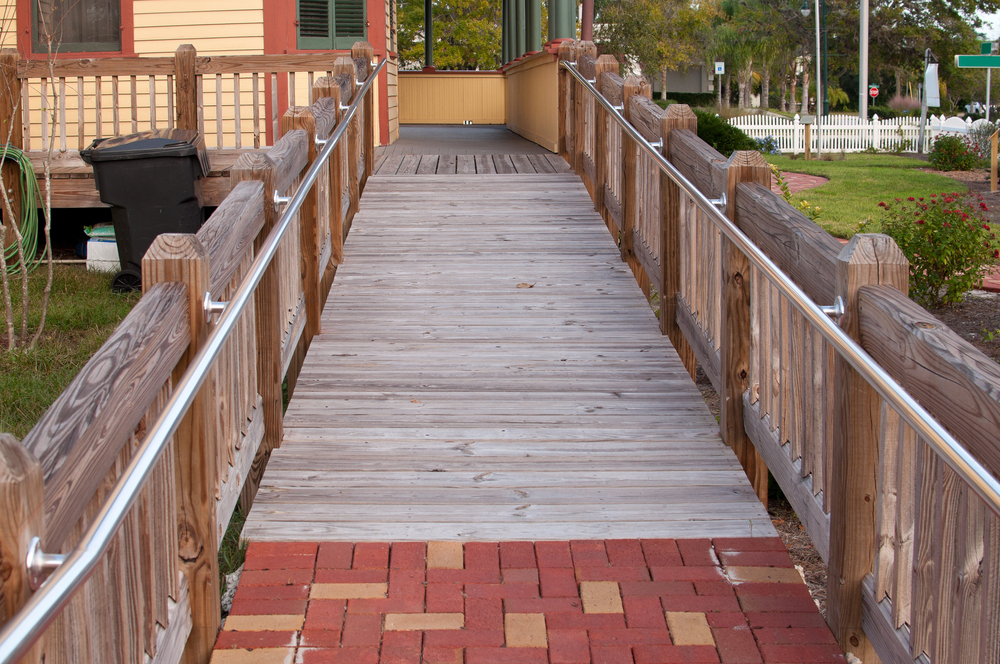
489	369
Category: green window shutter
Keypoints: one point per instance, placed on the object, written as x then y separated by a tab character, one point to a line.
350	22
331	24
315	24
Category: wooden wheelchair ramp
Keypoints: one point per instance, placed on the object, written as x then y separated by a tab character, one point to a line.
488	369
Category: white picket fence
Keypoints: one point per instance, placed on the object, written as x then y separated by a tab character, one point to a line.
847	133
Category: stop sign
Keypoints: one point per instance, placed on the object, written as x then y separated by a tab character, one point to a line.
873	91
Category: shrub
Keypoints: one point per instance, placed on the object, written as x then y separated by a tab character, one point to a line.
902	104
948	243
979	137
768	145
951	153
721	135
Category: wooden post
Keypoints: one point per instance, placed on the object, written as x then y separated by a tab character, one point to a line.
10	125
327	87
258	166
866	260
567	53
301	117
808	142
363	49
344	65
183	258
678	116
21	509
186	81
633	86
605	63
580	110
743	166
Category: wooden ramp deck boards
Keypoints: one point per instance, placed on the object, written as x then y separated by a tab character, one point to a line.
488	369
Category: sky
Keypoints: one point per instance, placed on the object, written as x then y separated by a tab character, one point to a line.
992	27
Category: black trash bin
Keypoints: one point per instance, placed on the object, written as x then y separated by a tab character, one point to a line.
152	182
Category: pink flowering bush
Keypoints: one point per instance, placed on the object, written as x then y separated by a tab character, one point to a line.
949	244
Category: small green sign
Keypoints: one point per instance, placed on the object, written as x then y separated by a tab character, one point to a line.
977	61
986	48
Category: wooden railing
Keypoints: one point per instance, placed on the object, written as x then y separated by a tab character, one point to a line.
235	102
155	593
912	549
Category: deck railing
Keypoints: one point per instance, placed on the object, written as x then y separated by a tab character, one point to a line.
897	487
135	470
236	102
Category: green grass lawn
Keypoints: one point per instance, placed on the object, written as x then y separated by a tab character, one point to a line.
859	183
82	314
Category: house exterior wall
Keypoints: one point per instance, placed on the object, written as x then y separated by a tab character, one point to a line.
214	27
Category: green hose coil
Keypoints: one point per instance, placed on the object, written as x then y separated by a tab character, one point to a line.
29	213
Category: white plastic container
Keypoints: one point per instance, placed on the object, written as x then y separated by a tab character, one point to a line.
102	255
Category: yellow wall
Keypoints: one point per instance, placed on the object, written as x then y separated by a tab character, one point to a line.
214	27
533	100
8	23
452	98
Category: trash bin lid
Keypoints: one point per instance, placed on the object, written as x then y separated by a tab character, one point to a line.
147	144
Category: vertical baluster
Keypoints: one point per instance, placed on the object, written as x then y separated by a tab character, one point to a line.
170	101
970	572
754	377
274	108
80	115
237	102
62	114
764	367
115	118
309	91
152	102
25	116
902	582
885	518
46	109
200	96
291	89
820	414
256	111
218	111
776	353
134	93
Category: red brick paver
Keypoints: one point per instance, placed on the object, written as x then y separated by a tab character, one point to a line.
642	601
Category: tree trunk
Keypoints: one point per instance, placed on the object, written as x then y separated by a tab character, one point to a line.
765	86
663	85
805	92
725	90
745	76
782	91
794	80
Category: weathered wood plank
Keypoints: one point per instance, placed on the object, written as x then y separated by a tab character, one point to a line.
511	340
81	434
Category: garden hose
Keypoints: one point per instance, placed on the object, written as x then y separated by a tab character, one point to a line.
29	213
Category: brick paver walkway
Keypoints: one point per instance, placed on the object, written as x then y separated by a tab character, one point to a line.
599	601
798	182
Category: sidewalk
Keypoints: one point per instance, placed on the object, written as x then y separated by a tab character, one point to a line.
601	601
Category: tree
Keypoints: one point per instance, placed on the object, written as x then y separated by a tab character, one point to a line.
466	33
653	35
10	178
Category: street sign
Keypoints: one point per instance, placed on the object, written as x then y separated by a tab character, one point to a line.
873	91
977	61
988	48
720	67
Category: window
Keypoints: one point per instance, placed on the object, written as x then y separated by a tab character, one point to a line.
331	24
76	25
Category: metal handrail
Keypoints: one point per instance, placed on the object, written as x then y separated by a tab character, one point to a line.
21	631
956	456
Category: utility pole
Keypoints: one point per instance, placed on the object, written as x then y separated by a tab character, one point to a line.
863	64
